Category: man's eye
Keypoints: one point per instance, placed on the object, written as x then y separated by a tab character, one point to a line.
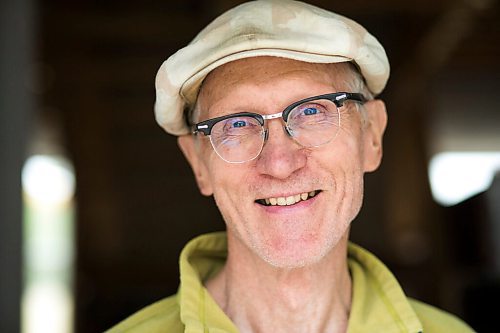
239	123
310	111
239	126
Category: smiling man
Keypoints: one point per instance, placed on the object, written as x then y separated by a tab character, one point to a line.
274	107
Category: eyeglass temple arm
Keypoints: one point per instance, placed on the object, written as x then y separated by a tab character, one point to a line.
196	129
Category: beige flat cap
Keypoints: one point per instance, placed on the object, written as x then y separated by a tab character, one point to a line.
281	28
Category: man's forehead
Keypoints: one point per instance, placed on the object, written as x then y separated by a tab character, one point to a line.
257	70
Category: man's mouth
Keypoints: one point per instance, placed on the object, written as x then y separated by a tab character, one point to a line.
287	201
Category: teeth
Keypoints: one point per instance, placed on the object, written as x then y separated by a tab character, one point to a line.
288	201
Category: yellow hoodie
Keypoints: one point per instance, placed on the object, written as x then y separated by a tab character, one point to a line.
378	304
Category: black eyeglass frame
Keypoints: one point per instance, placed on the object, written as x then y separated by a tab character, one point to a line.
338	98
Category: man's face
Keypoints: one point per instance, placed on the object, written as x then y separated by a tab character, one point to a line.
329	178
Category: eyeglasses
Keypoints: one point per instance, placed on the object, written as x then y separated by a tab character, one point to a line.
311	122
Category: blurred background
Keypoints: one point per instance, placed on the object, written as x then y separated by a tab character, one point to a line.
96	201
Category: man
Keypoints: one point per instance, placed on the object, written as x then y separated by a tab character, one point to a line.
273	105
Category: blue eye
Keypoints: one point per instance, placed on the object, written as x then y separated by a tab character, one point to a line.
239	123
310	111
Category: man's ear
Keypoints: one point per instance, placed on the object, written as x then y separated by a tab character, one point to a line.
376	121
187	145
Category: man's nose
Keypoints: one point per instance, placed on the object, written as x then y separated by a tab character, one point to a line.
281	155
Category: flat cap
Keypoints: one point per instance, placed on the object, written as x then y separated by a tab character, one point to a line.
280	28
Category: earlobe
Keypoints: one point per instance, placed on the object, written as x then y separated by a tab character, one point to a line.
187	145
374	131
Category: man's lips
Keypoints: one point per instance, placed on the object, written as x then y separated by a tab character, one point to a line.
288	200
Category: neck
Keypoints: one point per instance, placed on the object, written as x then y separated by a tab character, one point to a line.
259	297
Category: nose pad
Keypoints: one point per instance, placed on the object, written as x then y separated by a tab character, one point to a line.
288	131
265	134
